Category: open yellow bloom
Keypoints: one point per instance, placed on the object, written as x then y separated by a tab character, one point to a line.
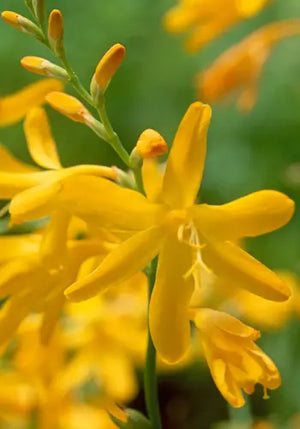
188	237
207	19
240	67
236	363
14	107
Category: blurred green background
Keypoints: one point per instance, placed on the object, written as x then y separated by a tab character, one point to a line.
245	152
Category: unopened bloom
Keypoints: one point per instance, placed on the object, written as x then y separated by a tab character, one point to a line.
43	67
236	363
106	68
240	67
14	107
207	19
188	237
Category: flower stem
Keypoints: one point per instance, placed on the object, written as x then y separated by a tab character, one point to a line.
150	378
113	138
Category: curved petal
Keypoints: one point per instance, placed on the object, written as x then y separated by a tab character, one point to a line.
54	241
108	204
126	260
34	203
14	107
152	179
187	156
236	266
40	142
168	316
11	164
249	216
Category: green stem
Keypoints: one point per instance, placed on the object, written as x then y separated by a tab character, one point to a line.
150	378
75	82
113	138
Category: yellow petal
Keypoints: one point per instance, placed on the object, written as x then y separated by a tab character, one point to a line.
249	216
107	204
54	241
11	315
12	183
126	260
152	179
14	107
225	322
18	275
234	265
168	317
40	142
50	317
18	245
34	203
187	156
11	164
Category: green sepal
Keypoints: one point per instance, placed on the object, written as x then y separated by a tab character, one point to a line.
136	420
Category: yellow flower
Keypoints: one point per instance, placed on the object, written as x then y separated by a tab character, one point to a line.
188	237
236	363
14	107
240	67
30	286
49	372
30	188
202	18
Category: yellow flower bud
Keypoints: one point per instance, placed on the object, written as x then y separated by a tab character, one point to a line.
107	67
151	144
56	32
21	23
69	106
43	67
56	25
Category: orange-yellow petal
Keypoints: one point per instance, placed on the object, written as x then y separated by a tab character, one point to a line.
249	216
34	203
107	204
236	266
14	107
187	156
40	142
11	164
152	179
126	260
168	317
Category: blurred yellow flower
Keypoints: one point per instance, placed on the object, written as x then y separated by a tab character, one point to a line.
208	19
240	67
14	107
236	363
189	238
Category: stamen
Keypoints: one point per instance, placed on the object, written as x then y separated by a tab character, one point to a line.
194	242
266	395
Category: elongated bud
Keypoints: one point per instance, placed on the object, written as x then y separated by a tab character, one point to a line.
71	107
21	23
106	68
39	9
43	67
56	31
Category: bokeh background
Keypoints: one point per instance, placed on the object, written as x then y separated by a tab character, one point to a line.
245	152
